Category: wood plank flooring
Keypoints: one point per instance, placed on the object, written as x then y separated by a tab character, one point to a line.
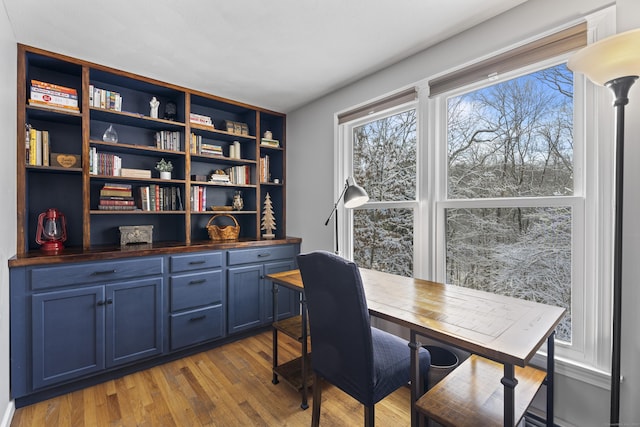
227	386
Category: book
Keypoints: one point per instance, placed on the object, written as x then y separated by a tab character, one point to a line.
179	205
52	86
32	146
45	148
116	185
200	119
135	173
51	106
143	194
270	142
52	95
66	98
116	208
115	193
27	134
107	202
39	148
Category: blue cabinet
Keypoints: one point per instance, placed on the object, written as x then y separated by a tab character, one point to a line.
73	321
68	334
197	298
77	332
250	302
133	321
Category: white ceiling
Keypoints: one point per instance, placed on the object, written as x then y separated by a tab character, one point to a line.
278	54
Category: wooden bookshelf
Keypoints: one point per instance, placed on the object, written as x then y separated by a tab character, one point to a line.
76	191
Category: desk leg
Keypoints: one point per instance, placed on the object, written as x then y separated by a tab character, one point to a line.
509	381
274	306
417	385
550	377
305	357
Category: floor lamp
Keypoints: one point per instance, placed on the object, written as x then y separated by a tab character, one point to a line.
614	62
354	196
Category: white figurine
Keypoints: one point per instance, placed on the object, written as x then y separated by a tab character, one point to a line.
154	103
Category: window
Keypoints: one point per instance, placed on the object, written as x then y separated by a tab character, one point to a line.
507	188
384	163
508	142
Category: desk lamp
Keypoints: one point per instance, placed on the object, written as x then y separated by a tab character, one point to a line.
354	196
614	62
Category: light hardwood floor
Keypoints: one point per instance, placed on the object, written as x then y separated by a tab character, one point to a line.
227	386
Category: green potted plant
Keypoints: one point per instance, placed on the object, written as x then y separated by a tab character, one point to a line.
165	168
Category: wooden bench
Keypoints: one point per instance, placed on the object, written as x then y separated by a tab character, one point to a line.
472	395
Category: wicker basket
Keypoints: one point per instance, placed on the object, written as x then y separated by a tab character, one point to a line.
223	232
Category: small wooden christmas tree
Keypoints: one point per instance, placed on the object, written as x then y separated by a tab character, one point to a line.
268	220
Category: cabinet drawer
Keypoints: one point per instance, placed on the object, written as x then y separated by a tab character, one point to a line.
196	290
196	326
195	261
247	256
63	275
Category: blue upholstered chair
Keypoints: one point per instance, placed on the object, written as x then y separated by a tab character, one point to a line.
364	362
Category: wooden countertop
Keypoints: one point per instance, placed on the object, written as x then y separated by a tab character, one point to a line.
38	257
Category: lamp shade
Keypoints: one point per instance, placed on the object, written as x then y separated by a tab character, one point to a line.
610	58
354	195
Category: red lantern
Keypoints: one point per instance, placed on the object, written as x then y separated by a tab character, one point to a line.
52	230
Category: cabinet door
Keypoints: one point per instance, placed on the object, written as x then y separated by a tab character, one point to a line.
245	297
134	328
68	334
288	299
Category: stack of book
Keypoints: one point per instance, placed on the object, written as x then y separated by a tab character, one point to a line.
102	98
270	142
116	197
53	96
37	146
168	140
219	177
200	119
211	149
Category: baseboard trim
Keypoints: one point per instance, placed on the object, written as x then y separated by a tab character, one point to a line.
7	416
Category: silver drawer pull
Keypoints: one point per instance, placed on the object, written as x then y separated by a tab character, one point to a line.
262	255
195	319
197	282
102	272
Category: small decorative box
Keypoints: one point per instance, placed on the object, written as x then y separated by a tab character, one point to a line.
65	160
135	234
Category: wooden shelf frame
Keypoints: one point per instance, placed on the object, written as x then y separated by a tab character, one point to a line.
88	227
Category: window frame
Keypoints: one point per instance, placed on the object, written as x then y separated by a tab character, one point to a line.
345	140
590	262
588	357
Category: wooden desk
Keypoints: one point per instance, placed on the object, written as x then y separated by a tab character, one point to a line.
504	329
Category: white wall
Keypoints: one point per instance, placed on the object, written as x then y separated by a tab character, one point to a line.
310	171
8	196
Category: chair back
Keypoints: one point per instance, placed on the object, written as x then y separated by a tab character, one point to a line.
339	323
